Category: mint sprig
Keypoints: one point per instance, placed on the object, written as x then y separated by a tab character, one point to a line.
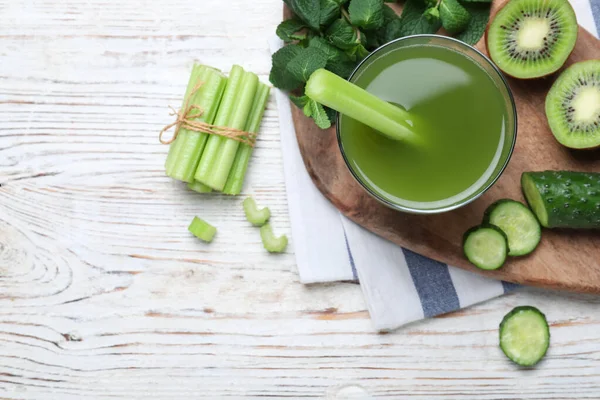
414	20
307	61
366	14
454	16
281	76
287	30
338	34
480	15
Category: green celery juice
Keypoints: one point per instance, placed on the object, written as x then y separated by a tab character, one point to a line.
458	113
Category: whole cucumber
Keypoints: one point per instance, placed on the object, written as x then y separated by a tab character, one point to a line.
564	199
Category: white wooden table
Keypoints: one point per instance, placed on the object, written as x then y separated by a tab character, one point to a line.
104	294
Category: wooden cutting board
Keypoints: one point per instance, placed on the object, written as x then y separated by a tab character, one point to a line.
567	260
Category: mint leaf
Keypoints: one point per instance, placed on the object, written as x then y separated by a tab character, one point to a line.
300	37
394	30
357	53
363	38
389	14
309	11
306	62
323	116
331	114
455	17
287	29
304	38
333	54
317	112
480	15
280	77
431	3
432	14
374	40
343	69
299	101
476	1
342	35
367	14
338	62
414	22
330	10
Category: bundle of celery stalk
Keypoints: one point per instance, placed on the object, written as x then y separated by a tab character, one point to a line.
210	162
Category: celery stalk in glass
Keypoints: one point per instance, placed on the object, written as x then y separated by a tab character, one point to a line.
347	98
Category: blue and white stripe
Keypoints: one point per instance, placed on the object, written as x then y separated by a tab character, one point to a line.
399	285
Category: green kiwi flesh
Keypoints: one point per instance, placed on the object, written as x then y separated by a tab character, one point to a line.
573	106
532	38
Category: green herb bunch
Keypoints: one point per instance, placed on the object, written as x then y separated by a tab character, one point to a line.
338	34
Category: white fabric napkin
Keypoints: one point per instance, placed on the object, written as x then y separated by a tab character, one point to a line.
399	286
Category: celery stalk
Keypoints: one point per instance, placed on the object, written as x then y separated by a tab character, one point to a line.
202	230
199	187
198	71
347	98
208	98
235	181
271	243
228	150
226	112
255	216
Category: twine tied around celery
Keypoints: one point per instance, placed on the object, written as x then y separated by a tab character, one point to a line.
186	120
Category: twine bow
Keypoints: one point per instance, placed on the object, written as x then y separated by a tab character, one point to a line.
186	120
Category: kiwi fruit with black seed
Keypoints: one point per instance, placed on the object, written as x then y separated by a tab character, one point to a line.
532	38
573	106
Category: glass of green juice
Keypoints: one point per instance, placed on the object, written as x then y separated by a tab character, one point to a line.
461	109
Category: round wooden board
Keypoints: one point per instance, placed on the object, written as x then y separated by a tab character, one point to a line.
567	260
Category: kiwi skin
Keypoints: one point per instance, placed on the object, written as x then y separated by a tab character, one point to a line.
493	15
564	75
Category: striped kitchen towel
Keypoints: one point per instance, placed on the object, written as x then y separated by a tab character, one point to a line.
399	285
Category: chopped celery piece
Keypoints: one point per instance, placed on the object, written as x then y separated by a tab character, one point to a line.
199	187
225	114
347	98
270	242
202	230
186	151
235	181
255	216
223	161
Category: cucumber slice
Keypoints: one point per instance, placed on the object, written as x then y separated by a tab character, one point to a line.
525	336
486	246
518	223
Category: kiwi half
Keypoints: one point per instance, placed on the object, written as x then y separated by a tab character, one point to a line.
532	38
573	106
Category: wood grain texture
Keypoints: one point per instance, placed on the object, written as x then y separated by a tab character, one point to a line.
103	293
564	260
